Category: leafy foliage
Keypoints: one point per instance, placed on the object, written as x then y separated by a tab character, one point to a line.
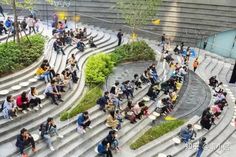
15	57
156	132
137	12
136	51
88	101
27	4
98	67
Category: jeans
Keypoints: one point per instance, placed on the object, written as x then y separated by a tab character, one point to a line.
53	97
114	144
47	137
199	152
186	137
60	49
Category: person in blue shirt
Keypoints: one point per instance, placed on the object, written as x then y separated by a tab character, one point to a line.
51	91
83	121
8	23
104	149
103	101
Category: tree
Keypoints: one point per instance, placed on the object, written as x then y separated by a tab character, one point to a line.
25	4
138	13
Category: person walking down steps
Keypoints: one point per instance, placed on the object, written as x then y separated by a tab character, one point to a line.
119	36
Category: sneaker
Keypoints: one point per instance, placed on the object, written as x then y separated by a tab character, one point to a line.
24	111
36	108
56	103
40	106
60	136
29	109
51	148
83	131
10	118
90	127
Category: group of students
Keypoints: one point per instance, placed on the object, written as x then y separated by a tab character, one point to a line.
213	112
71	37
46	131
26	101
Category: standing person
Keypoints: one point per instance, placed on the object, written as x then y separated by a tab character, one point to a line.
1	11
163	39
201	146
23	140
83	122
195	64
31	23
205	44
119	36
48	129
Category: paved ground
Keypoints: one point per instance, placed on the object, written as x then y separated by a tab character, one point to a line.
125	72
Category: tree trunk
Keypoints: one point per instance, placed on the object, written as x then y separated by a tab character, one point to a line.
16	26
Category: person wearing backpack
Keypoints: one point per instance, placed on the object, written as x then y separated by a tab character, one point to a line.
47	130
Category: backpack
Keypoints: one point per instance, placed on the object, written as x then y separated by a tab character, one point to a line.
99	101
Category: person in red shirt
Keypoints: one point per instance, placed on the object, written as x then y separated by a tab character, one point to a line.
22	101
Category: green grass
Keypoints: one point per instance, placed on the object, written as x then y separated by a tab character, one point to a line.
88	101
15	56
156	132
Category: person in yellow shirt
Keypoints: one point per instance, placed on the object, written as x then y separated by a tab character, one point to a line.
195	64
43	74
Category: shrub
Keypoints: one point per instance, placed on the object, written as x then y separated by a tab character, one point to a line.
88	101
98	67
17	56
156	132
136	51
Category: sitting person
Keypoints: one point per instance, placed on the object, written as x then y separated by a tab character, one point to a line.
43	73
112	140
80	46
145	77
206	121
216	111
153	91
129	114
115	94
104	148
47	130
73	73
83	122
59	83
187	133
153	73
103	101
140	110
23	140
213	82
9	107
2	28
127	89
161	106
33	97
112	121
67	78
51	91
91	43
110	106
137	81
58	46
72	60
22	102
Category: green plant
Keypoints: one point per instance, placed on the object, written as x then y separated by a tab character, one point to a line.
136	51
88	101
156	132
17	56
98	67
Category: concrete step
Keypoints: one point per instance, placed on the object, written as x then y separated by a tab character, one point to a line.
48	109
71	97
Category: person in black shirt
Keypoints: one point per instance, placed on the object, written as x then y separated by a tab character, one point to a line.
163	39
23	140
119	36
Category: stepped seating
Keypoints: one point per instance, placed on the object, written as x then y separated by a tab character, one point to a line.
207	68
106	44
182	20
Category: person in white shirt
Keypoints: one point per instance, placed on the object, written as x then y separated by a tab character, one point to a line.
33	97
31	23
